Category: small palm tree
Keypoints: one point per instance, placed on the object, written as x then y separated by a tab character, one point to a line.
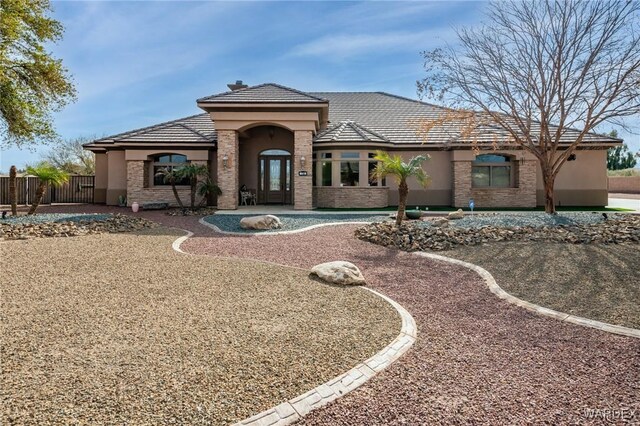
171	176
47	175
208	187
193	172
394	166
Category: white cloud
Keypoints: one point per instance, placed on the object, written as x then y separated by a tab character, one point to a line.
347	45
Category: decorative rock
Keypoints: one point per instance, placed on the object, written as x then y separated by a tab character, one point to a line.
159	205
339	272
263	222
458	214
441	222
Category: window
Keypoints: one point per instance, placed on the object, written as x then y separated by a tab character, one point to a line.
491	170
169	162
323	168
350	170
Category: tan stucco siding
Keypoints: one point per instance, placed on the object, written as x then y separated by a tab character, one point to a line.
101	182
117	177
582	182
438	193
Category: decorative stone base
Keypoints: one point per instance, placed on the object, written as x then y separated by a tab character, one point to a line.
351	197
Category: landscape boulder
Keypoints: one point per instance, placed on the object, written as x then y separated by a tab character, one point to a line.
441	222
339	272
263	222
458	214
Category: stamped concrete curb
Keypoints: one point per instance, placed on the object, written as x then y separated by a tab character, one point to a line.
296	408
295	231
498	291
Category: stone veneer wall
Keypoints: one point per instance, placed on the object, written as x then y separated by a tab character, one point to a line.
228	177
138	189
523	195
351	196
302	185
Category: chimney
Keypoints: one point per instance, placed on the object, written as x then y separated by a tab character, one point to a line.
237	85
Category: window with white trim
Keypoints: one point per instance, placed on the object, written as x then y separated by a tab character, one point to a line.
492	171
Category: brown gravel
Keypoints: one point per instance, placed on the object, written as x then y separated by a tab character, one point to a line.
120	329
478	360
596	281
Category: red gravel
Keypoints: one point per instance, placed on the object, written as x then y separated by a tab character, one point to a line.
477	360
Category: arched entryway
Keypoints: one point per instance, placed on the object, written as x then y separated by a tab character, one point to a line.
275	180
266	163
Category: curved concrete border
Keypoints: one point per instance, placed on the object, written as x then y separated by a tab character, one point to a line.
498	291
295	231
296	408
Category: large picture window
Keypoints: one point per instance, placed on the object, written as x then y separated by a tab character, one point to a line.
169	162
491	171
350	169
322	169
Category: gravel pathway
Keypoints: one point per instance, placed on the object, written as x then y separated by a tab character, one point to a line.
120	329
478	360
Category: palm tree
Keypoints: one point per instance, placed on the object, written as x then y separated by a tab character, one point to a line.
47	175
171	176
193	172
394	166
208	187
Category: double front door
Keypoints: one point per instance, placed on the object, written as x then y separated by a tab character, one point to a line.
274	186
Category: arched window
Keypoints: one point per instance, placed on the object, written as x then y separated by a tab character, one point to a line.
169	162
492	171
275	152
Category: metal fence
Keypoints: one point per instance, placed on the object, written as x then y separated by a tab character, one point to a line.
79	189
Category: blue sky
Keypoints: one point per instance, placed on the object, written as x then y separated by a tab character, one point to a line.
141	63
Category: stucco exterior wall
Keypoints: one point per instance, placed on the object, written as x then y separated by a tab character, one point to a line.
101	182
116	178
582	182
438	193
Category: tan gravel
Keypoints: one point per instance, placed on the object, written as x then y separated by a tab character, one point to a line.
118	328
595	281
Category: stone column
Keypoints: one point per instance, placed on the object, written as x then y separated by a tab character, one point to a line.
302	185
461	183
228	176
135	181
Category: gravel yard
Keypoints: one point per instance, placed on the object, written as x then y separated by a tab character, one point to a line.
290	222
54	217
533	219
120	329
477	360
595	281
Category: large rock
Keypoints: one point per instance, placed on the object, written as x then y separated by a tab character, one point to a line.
458	214
339	272
441	222
267	221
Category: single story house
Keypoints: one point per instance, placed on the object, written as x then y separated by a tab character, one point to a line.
309	149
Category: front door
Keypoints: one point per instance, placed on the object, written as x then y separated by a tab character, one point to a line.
275	179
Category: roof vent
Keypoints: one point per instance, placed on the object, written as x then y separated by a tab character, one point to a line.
237	85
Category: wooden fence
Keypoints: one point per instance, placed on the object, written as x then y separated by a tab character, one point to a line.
79	189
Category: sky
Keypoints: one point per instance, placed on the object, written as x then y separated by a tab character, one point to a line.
144	62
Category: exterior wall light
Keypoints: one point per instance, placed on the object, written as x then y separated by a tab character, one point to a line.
225	161
303	161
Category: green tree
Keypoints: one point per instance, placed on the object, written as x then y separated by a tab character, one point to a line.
171	176
208	188
33	84
193	172
545	73
71	157
47	175
394	166
620	158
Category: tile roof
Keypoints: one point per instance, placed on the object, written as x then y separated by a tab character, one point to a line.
353	117
349	131
263	93
195	128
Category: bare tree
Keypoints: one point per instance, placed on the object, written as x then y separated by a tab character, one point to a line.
71	157
546	73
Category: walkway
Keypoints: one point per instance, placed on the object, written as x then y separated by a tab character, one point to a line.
477	360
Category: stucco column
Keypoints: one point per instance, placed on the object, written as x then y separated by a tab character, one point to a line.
302	185
228	175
